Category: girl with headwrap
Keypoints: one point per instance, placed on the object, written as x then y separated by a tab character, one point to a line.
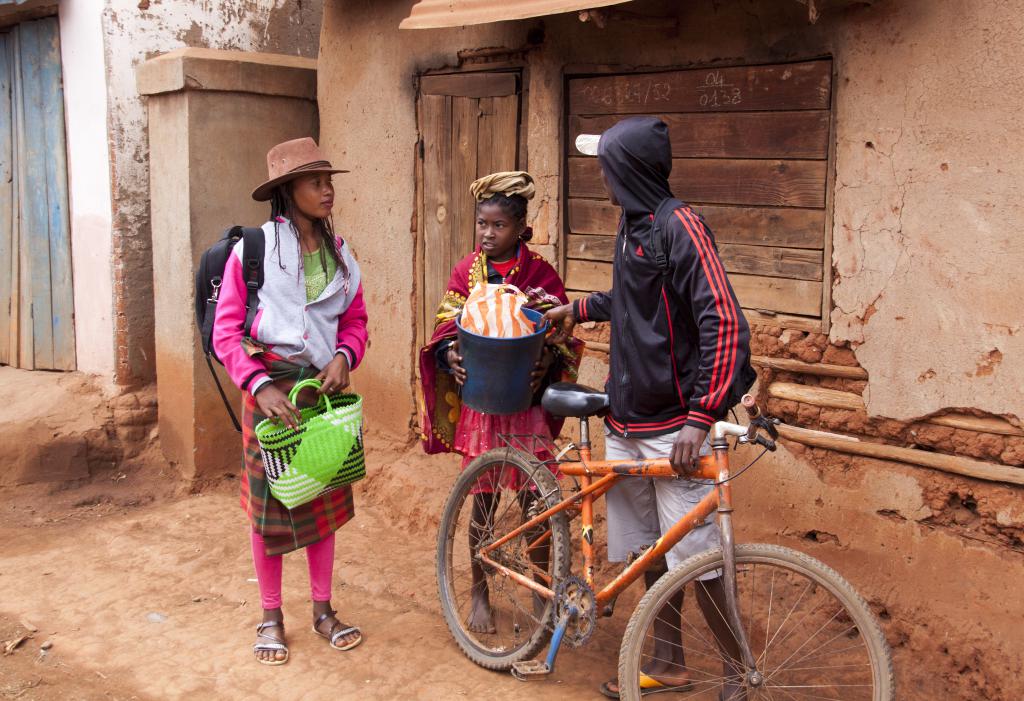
501	256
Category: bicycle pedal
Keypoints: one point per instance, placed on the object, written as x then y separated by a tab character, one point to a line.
530	670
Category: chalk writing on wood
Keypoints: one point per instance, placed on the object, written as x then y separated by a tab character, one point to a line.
715	92
640	92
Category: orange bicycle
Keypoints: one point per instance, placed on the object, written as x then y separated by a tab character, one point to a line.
734	623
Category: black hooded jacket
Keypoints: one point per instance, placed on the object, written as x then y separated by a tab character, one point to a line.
680	346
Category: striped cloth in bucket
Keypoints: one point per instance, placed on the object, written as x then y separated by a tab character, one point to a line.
496	311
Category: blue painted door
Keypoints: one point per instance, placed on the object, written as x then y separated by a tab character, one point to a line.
36	305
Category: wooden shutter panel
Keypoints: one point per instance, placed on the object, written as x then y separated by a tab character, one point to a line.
750	148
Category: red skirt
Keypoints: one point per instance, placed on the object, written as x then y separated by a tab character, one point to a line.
477	433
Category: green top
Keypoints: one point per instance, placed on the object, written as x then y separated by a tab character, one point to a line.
320	270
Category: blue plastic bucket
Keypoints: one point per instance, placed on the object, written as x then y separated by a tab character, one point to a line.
498	369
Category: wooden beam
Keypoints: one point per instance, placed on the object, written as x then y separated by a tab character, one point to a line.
821	369
953	464
981	424
835	399
818	396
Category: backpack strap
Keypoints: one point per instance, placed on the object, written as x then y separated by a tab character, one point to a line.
252	272
223	396
660	244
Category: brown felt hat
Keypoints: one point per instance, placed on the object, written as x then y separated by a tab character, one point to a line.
291	160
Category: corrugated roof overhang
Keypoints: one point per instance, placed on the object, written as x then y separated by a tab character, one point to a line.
434	14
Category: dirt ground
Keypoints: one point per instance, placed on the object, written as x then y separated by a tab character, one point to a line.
144	594
141	591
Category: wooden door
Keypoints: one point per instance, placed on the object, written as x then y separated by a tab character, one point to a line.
36	305
469	127
750	151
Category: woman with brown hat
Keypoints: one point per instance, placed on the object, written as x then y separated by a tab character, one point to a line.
310	322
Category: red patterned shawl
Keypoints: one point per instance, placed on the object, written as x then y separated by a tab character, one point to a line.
440	403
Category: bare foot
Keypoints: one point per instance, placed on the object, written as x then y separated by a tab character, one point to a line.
481	615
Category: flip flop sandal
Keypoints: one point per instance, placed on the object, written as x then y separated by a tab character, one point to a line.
648	685
273	644
336	635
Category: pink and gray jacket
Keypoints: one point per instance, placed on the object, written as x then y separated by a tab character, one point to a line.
301	332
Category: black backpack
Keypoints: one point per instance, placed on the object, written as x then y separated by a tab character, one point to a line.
659	247
210	277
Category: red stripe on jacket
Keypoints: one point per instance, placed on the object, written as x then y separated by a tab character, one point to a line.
725	351
732	340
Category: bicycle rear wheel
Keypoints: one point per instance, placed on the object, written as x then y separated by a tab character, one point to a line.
811	634
494	495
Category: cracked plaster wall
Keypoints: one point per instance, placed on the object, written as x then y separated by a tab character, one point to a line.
134	30
928	206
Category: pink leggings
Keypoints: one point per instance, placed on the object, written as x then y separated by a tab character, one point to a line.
320	557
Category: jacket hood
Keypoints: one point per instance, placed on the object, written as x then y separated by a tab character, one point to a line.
636	157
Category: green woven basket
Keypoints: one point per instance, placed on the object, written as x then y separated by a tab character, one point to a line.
325	452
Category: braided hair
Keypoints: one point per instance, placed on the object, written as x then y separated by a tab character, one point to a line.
282	205
514	207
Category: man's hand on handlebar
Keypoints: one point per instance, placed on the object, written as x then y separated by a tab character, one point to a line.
686	450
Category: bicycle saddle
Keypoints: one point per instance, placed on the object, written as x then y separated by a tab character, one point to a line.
569	399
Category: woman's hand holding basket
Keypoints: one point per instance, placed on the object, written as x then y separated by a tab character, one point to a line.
334	378
274	404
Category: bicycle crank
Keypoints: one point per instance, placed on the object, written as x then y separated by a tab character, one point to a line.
577	604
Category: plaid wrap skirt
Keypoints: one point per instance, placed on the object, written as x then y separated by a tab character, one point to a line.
284	530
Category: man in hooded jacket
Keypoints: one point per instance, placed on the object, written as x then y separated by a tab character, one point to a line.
680	357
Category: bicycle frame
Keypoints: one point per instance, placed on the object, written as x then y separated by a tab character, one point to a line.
597	477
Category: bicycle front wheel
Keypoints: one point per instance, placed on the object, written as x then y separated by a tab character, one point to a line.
812	636
495	620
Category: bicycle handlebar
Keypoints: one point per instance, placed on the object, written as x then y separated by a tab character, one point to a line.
753	412
758	421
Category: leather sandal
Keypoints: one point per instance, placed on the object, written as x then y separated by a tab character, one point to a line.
271	644
338	630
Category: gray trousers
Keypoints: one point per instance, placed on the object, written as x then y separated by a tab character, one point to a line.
641	510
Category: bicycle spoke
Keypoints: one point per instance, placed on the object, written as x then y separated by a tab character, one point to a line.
796	625
763	659
688	652
699	637
833	666
768	644
827	642
820	628
842	649
753	588
792	617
